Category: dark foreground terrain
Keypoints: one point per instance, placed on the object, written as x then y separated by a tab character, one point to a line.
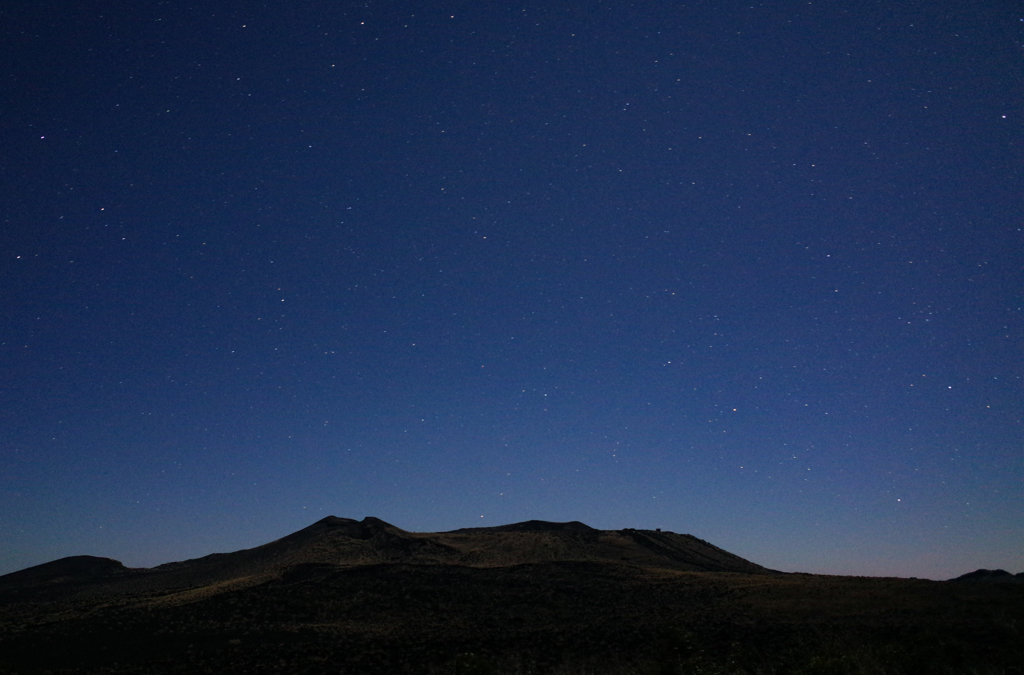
365	597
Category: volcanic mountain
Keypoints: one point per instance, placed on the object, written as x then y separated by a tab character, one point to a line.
343	543
532	598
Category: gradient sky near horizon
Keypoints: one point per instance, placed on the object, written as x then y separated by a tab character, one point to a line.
748	271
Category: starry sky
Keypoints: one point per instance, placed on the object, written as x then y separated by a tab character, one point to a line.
752	272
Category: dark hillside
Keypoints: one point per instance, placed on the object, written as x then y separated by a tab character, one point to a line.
348	542
347	596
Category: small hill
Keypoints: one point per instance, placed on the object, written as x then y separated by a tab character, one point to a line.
60	577
991	576
74	569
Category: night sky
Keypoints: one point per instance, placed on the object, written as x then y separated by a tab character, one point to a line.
752	272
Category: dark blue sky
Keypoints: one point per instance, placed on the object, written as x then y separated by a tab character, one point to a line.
750	272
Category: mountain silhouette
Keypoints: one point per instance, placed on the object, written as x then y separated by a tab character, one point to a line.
991	576
344	542
533	598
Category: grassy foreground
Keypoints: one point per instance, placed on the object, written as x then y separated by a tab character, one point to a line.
537	619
